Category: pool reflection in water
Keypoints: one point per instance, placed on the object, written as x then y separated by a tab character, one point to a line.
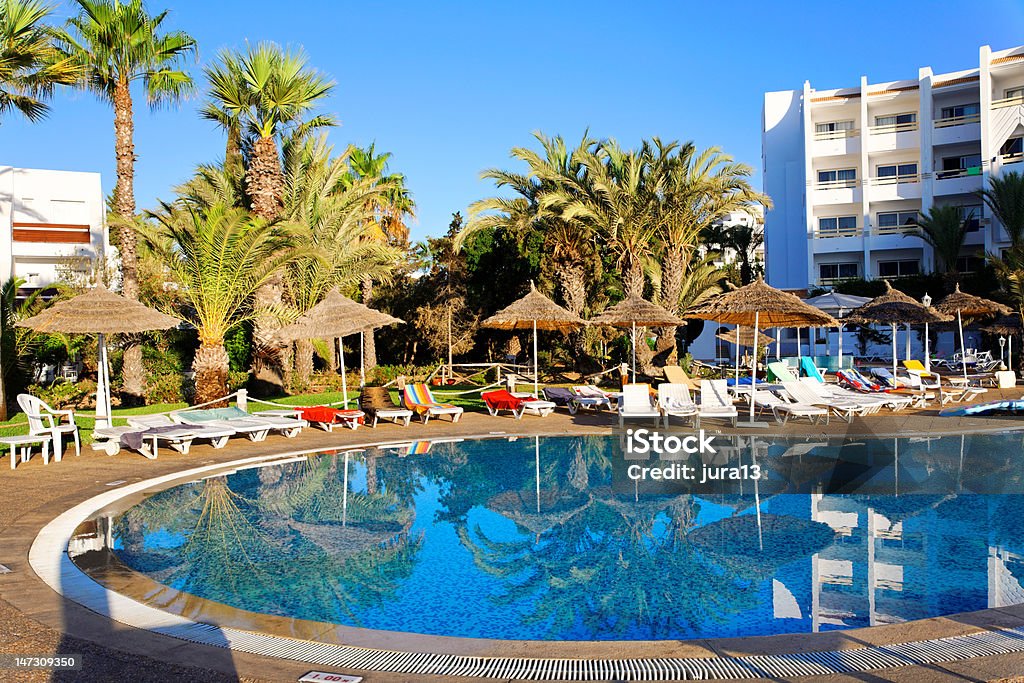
486	539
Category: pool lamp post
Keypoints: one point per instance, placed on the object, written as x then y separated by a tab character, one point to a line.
1002	344
927	301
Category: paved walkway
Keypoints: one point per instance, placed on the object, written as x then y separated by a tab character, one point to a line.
36	620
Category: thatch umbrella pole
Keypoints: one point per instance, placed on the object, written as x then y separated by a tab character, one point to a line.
737	374
536	372
963	347
753	372
344	380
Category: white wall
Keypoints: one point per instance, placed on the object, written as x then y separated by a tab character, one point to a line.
785	182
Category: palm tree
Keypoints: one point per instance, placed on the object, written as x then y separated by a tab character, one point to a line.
389	213
219	258
945	230
114	44
1005	199
30	64
16	343
230	99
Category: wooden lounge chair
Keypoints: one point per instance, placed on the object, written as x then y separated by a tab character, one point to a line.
636	402
674	401
501	399
377	404
715	401
417	398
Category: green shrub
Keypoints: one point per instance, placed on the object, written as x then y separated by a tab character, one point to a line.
165	388
63	394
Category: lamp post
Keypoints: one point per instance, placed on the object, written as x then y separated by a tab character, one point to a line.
1002	344
927	301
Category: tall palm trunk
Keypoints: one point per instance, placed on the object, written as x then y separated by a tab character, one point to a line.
211	366
574	293
233	149
132	373
672	273
633	285
369	343
303	363
265	182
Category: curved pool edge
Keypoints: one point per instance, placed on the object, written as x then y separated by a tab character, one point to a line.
802	655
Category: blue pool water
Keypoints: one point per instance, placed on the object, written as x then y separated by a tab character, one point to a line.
524	540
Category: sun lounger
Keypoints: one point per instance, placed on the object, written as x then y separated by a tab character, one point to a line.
801	392
501	399
417	398
326	417
715	401
781	371
810	369
783	410
218	436
674	401
144	440
636	402
255	427
674	374
376	402
599	396
565	398
922	380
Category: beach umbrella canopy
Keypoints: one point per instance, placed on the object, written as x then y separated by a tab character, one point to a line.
633	312
759	304
537	312
894	308
964	305
837	304
746	337
335	316
101	312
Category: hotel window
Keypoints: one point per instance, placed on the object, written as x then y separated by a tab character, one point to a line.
838	271
839	176
960	110
969	264
1013	148
893	219
1014	93
971	213
895	171
837	224
966	164
832	129
899	268
896	119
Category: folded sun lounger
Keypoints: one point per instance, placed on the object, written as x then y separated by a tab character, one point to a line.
501	399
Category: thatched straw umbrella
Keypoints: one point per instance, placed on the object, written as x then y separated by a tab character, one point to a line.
756	304
101	312
634	312
969	306
1007	325
894	308
538	312
336	316
744	336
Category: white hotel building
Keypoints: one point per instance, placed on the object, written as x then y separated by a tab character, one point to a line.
848	168
49	221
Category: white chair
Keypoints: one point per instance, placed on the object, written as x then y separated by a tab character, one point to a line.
784	410
801	392
715	401
218	436
42	419
674	400
636	402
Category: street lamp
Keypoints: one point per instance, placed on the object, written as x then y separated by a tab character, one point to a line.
927	301
1002	344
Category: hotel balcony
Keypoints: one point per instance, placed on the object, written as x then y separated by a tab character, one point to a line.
836	143
960	181
890	188
836	192
956	129
894	136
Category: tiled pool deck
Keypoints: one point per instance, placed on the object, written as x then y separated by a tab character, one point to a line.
34	619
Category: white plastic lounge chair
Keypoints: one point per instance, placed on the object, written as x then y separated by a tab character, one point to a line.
865	405
715	401
218	436
674	400
599	396
783	411
636	402
674	374
417	398
147	444
44	420
800	392
255	427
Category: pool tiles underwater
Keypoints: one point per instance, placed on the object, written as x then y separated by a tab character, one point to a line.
466	540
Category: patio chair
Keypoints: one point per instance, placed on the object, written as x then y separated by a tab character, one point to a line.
674	401
417	398
44	420
715	401
501	399
800	392
674	374
376	402
636	402
256	427
783	410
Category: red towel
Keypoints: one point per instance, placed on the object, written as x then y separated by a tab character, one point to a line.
501	399
327	414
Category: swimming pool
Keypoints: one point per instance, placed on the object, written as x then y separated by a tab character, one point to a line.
537	540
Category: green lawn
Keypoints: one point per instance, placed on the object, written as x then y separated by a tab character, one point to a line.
86	421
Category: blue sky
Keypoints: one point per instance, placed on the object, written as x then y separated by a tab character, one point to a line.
450	87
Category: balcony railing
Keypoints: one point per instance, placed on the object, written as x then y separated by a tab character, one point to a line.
821	234
836	134
1011	158
894	230
1008	102
826	281
893	128
957	121
907	179
958	173
836	184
